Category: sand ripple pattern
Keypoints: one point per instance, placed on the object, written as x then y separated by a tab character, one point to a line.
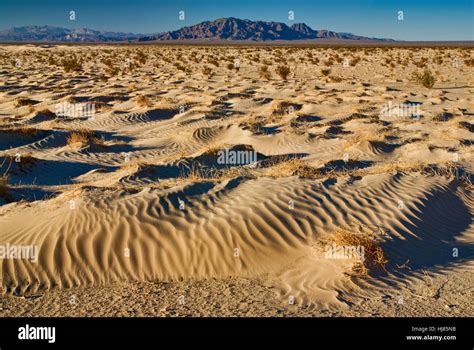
243	227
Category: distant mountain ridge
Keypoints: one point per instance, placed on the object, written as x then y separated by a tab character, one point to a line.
220	29
243	29
58	34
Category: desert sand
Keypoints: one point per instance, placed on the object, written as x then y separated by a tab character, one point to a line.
111	167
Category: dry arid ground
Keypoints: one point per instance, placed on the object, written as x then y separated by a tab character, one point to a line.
216	181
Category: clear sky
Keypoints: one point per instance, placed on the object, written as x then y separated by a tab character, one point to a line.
423	19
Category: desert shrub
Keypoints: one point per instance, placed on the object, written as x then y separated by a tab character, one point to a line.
469	62
180	67
71	64
214	62
112	70
143	101
283	72
421	63
207	71
264	72
141	57
52	61
354	61
325	72
427	79
329	63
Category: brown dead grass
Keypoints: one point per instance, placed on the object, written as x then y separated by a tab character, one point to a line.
374	256
144	101
25	130
84	137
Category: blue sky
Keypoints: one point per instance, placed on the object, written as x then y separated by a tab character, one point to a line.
423	19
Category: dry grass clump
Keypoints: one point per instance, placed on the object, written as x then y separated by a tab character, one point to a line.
285	167
213	61
284	107
84	137
469	62
23	129
283	72
329	63
354	61
71	64
207	71
374	256
141	57
112	71
181	67
144	101
427	79
196	172
336	79
325	72
264	73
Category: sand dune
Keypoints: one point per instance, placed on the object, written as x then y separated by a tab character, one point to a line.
136	193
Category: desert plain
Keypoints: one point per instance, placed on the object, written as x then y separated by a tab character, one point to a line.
169	180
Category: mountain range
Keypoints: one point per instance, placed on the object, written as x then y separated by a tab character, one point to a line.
57	34
228	29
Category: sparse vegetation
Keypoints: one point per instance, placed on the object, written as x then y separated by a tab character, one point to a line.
264	73
374	256
84	137
71	64
144	101
283	72
354	61
469	62
325	72
23	129
427	79
207	71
